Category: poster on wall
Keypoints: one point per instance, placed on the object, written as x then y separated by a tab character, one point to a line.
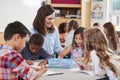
98	12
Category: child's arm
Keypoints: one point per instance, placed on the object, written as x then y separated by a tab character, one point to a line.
44	54
65	52
43	62
113	55
41	71
19	66
79	59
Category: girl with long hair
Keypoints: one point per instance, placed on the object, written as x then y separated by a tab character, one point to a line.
76	48
95	49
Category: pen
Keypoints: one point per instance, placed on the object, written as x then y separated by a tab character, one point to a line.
55	74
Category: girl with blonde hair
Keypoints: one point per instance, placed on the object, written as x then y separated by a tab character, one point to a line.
95	49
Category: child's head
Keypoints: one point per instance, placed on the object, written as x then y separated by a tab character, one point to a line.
96	25
35	43
78	37
109	29
15	35
110	33
73	24
95	39
63	27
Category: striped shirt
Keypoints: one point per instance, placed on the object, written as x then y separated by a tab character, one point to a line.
13	65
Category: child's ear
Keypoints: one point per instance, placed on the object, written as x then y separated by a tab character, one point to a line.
16	37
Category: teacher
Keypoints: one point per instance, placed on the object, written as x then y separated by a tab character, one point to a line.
43	24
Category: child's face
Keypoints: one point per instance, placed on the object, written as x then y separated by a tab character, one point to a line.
78	40
34	48
66	28
106	31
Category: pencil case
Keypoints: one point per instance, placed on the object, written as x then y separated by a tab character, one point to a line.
60	63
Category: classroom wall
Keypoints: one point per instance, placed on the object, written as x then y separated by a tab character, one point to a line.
1	38
18	10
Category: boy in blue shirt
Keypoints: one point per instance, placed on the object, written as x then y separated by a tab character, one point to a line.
34	51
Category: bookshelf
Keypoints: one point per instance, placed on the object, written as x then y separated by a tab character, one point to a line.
67	12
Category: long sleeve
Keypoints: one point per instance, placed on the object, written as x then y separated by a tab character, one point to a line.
57	47
44	54
19	66
95	63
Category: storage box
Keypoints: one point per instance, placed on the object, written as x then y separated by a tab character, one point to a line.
65	1
60	63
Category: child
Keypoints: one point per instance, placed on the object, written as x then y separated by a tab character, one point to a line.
63	29
76	49
96	49
111	36
12	64
73	25
34	51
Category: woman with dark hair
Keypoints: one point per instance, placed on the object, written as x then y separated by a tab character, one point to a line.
111	35
43	24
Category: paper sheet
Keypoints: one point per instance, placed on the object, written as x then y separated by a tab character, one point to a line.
82	71
49	72
87	72
35	65
74	69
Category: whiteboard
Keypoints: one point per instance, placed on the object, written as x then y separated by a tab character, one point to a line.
18	10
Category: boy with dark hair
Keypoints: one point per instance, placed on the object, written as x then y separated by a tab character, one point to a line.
12	63
34	51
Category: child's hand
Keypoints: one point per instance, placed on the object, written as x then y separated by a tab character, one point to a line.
29	62
61	55
36	69
44	62
41	71
81	65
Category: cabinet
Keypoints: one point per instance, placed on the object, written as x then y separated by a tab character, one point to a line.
66	12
